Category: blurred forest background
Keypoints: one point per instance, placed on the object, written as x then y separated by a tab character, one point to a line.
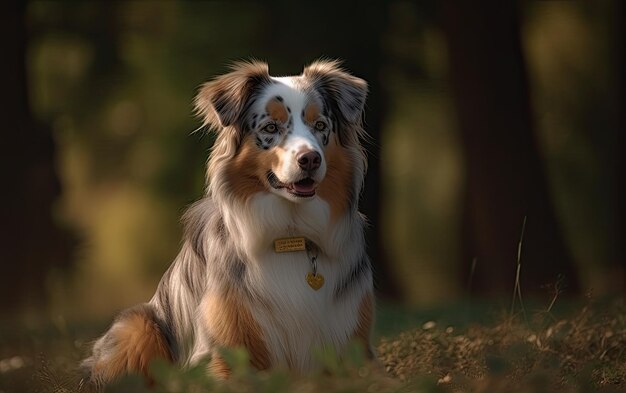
480	117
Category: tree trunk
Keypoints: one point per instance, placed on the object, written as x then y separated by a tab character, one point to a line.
505	179
31	242
619	258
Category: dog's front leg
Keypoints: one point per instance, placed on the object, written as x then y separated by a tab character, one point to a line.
364	327
229	324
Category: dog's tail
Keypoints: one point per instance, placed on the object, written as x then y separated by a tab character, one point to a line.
136	337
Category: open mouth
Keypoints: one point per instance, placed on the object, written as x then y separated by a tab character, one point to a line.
304	188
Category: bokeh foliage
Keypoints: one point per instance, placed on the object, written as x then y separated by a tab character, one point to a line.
116	81
112	84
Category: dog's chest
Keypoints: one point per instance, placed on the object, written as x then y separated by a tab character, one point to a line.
299	319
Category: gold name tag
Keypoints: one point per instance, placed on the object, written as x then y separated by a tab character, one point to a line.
289	244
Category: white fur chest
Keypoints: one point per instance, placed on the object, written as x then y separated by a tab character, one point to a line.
295	318
300	319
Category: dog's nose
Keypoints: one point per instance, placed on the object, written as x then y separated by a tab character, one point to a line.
309	160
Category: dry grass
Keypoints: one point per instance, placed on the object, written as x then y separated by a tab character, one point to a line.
583	352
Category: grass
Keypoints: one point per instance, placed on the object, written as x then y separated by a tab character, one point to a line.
579	352
585	352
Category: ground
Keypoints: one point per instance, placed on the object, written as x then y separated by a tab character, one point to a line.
514	351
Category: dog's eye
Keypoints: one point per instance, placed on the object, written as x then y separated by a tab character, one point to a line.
271	128
320	125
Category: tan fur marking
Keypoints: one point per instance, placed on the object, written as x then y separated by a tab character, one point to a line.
311	112
246	173
277	110
138	342
231	324
363	330
218	368
335	188
230	91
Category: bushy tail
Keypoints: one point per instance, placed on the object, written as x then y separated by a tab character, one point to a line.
136	337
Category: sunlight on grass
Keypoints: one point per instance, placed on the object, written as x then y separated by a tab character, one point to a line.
420	198
123	252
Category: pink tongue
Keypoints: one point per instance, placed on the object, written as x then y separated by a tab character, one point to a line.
304	187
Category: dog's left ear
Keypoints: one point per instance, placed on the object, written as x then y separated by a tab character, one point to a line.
344	92
222	101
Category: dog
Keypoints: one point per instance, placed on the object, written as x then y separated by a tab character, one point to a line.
273	257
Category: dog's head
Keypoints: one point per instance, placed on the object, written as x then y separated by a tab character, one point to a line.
297	136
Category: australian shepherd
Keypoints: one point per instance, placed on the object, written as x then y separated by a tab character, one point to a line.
273	257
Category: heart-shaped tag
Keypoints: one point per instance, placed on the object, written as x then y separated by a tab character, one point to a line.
315	281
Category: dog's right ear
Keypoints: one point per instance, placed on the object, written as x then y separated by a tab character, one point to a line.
222	101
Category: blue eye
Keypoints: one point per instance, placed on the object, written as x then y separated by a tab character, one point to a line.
271	128
320	126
